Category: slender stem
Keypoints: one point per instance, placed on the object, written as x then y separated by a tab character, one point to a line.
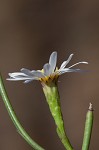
88	128
53	100
14	118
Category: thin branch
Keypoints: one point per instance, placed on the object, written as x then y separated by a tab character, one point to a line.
14	118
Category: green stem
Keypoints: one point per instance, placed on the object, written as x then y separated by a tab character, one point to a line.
88	129
53	100
14	118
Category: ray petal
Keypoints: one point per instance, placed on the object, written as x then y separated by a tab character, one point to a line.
26	71
28	81
47	69
63	65
17	74
38	74
69	70
17	79
82	62
53	61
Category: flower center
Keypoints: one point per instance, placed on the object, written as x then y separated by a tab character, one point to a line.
49	79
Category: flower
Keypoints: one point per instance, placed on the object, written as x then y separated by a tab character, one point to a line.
48	73
49	77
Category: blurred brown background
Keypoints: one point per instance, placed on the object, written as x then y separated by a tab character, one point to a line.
30	31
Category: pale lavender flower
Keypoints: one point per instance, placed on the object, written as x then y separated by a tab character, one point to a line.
48	73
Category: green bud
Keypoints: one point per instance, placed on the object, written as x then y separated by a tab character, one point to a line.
88	128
